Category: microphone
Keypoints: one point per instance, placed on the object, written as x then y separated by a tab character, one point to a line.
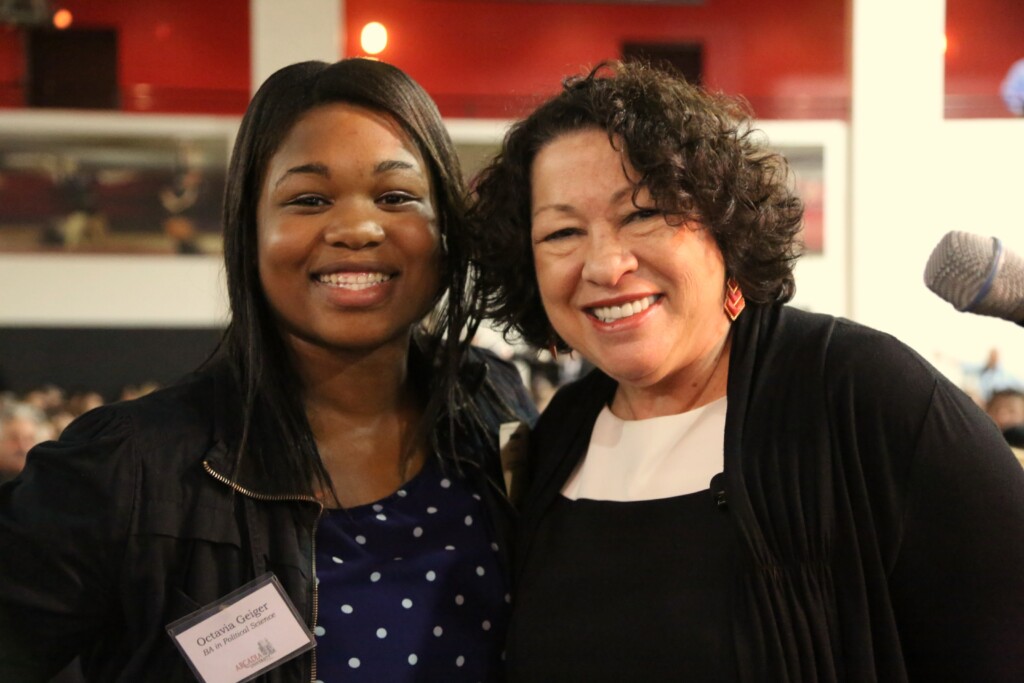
717	487
978	275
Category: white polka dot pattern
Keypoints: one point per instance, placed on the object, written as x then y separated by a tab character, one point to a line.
388	573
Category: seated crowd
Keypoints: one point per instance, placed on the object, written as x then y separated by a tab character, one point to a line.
42	414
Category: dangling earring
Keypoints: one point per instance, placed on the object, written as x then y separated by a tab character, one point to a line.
553	343
734	301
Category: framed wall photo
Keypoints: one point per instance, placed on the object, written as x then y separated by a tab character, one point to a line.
817	152
808	166
112	183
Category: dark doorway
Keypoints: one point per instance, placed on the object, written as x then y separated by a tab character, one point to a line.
73	68
686	58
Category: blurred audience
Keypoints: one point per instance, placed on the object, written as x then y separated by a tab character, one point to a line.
1006	408
22	426
41	414
982	380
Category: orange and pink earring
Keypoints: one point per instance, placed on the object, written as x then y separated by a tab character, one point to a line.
734	301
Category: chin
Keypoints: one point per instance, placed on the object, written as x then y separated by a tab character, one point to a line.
630	374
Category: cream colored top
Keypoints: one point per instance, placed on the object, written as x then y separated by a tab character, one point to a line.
659	457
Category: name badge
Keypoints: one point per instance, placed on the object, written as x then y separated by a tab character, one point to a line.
245	633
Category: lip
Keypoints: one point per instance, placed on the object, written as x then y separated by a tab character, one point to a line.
623	323
353	267
619	300
367	295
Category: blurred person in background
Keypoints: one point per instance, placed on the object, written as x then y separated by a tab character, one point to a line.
1012	88
983	379
81	401
22	426
742	490
1006	408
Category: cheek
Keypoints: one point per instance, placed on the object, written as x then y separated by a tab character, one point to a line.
551	281
425	247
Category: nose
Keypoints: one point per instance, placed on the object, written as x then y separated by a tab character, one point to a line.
608	258
354	227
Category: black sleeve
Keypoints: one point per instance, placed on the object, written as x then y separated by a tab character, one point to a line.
63	526
957	585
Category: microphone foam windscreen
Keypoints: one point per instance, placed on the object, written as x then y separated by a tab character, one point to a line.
1006	298
962	264
959	266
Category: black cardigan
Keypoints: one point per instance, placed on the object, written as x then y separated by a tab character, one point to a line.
880	512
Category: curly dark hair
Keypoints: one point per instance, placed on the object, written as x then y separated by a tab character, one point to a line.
695	152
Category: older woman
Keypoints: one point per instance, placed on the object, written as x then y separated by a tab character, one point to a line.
334	454
742	491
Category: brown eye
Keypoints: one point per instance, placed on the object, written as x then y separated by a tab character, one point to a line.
562	234
642	215
396	198
308	200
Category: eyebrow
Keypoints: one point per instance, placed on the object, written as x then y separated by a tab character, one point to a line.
394	165
568	208
321	170
310	169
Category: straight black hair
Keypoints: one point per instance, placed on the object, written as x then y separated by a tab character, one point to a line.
276	439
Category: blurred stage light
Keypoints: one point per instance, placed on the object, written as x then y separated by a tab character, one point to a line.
374	38
62	18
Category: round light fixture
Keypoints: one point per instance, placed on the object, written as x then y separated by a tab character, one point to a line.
62	18
374	38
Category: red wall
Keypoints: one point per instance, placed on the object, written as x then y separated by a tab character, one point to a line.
489	57
174	55
984	37
12	67
495	57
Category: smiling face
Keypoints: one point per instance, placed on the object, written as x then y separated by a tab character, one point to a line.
348	245
636	294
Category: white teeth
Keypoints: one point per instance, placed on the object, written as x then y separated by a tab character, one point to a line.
353	280
608	314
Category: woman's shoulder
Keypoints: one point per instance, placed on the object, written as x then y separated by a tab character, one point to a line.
577	401
853	352
188	401
179	418
885	368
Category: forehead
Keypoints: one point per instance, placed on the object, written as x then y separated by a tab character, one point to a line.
346	131
581	161
574	146
589	151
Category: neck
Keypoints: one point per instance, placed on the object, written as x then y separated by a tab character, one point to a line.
354	383
701	383
365	415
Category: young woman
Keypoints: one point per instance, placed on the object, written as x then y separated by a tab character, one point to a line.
332	442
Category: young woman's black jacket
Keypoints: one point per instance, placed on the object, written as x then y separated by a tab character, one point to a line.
135	518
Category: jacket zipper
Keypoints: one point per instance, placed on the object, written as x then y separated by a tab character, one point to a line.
302	498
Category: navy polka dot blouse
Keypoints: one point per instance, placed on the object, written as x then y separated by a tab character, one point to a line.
410	587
